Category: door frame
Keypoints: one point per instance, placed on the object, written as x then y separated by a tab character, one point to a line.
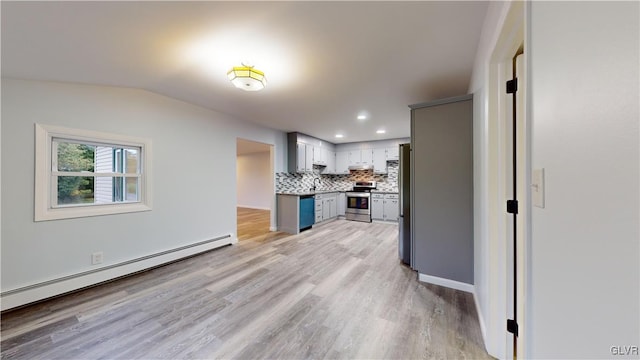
511	37
272	181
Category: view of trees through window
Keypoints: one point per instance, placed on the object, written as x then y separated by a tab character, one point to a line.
75	158
96	174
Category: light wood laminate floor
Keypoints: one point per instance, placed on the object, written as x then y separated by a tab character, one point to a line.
253	223
336	291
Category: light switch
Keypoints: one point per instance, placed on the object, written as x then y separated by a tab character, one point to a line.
537	188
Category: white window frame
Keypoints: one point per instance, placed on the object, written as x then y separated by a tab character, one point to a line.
45	197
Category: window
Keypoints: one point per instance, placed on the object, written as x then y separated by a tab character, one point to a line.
85	173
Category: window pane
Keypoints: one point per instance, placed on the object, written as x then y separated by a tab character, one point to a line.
116	189
104	190
104	159
132	163
75	157
75	190
132	189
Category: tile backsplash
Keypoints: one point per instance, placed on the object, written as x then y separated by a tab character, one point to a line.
304	181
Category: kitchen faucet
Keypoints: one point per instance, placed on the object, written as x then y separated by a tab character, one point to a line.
314	183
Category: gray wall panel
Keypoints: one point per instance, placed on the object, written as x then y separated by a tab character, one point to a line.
442	180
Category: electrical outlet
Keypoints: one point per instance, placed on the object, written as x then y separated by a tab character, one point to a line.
96	258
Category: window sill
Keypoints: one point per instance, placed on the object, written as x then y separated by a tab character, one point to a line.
85	211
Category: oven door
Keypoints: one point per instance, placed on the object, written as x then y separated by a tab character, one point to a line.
358	203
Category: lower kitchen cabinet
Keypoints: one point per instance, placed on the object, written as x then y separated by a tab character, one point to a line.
326	206
342	203
385	207
391	207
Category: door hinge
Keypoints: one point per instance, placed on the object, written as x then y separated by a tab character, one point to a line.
512	206
512	327
512	86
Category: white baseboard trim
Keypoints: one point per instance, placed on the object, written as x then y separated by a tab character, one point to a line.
446	283
483	327
31	293
254	207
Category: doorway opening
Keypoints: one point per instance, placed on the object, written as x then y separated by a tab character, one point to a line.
255	189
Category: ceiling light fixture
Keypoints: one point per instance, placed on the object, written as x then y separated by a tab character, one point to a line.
247	78
339	136
381	131
362	117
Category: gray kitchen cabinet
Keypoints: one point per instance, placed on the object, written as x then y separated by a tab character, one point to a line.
380	161
391	207
320	156
326	206
330	157
333	206
360	157
366	157
377	207
341	199
384	207
300	160
393	153
442	188
342	162
304	151
318	199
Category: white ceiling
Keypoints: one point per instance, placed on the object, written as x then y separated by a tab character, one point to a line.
325	61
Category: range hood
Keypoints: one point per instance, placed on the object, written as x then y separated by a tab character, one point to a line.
361	167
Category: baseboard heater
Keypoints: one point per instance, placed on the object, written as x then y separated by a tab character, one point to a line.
47	283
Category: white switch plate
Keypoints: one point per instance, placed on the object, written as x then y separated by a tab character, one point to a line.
537	188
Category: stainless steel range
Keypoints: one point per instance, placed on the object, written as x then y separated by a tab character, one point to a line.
359	201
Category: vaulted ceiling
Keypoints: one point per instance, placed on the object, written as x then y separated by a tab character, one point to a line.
326	62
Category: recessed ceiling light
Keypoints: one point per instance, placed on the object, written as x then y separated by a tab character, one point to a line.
339	136
381	131
362	117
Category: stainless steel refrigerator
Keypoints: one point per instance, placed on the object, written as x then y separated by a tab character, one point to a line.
404	189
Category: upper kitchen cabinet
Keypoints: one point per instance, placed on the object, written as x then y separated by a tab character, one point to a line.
360	157
342	162
330	157
305	151
380	161
393	153
302	160
319	156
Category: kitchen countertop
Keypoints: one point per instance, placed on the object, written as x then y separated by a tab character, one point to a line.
309	192
312	192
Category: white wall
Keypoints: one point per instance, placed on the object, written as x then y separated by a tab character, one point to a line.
254	181
585	247
194	177
584	250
